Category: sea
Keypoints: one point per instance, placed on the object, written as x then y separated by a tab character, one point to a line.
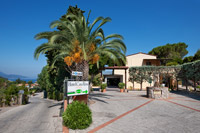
26	79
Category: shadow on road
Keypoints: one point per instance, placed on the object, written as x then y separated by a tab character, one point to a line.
100	97
57	104
193	95
145	96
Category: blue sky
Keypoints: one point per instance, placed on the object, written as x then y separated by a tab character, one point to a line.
144	24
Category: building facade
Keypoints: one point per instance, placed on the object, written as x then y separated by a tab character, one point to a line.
138	59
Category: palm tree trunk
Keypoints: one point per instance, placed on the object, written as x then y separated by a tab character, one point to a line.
83	67
86	71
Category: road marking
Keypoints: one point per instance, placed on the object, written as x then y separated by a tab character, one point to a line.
118	117
184	106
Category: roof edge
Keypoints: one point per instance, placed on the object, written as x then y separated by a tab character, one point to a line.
141	53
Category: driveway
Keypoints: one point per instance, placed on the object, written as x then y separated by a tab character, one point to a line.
115	112
39	116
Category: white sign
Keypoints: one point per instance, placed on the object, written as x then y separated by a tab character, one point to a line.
75	88
76	73
21	91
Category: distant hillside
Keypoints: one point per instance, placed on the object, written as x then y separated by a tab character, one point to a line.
2	77
11	76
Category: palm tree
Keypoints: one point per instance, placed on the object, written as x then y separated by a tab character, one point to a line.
78	43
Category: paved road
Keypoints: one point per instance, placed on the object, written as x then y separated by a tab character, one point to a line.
115	112
40	116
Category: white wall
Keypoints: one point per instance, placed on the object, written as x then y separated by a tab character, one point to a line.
134	60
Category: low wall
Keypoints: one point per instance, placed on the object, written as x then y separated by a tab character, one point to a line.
157	92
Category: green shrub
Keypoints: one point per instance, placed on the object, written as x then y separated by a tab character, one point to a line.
103	86
25	99
50	95
77	116
198	86
31	92
8	100
54	95
171	64
61	96
97	80
121	85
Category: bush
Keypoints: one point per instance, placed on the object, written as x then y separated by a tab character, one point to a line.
97	80
77	116
8	100
54	95
121	85
103	86
130	87
25	99
171	64
50	95
61	96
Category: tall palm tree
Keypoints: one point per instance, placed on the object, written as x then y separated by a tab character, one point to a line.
80	43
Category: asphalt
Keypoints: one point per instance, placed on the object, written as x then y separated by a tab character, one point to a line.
39	116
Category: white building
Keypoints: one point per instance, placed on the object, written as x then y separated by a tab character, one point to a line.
119	72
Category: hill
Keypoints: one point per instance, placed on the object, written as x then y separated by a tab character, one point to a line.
11	76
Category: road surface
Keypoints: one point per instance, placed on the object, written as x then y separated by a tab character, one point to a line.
39	116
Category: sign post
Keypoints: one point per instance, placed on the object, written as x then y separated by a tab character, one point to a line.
76	73
78	89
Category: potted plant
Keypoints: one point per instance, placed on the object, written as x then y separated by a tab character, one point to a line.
121	87
103	87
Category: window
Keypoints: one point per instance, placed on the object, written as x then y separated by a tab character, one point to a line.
148	63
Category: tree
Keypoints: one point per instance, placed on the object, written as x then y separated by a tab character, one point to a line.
197	55
187	71
43	79
192	58
141	76
29	83
188	59
18	81
78	44
3	82
55	75
175	52
133	77
173	63
104	60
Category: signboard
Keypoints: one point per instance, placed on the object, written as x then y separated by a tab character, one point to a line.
21	91
76	73
75	88
157	92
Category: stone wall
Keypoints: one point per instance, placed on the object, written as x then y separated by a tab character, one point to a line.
157	92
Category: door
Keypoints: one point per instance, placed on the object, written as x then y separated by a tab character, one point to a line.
113	82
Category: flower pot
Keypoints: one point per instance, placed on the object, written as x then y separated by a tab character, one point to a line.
103	90
121	90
